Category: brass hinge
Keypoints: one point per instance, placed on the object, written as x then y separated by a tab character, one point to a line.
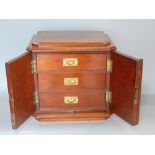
36	97
13	119
108	96
33	66
109	65
136	93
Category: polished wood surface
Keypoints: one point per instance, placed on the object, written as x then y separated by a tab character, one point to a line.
63	41
86	99
20	88
77	116
46	37
52	62
71	38
86	80
69	50
125	85
90	71
91	49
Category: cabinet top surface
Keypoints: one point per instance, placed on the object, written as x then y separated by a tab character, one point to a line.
69	36
74	40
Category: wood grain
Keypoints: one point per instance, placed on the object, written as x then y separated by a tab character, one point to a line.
54	62
63	41
123	84
92	49
87	99
20	88
78	116
86	80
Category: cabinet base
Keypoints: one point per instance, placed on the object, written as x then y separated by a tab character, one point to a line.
77	116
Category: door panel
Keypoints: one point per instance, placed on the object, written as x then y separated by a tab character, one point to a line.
126	87
20	88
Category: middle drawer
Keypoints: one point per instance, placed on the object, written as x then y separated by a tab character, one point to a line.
71	80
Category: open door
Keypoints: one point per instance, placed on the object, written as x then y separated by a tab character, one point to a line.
20	88
126	87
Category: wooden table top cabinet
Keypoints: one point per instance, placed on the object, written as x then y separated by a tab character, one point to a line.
72	76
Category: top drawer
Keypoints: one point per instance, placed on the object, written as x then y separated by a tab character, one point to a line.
67	62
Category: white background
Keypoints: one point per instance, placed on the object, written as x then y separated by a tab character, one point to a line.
74	9
132	37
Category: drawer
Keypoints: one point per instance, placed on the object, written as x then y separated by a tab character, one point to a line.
66	62
75	100
71	80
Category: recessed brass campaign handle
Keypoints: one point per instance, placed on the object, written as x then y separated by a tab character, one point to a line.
70	61
71	81
71	99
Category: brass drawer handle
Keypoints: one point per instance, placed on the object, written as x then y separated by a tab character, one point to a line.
71	81
70	61
71	99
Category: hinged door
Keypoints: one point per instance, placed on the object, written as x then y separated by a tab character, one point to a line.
20	88
126	87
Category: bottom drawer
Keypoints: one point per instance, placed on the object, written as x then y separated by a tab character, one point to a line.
73	100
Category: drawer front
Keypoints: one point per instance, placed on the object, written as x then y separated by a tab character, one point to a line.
66	62
67	80
82	99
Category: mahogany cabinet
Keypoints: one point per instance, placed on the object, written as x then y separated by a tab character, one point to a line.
72	76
